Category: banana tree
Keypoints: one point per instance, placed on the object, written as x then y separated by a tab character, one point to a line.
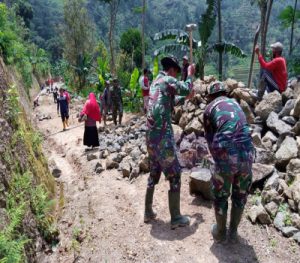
201	48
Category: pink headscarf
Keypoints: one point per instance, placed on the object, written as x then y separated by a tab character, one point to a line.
91	108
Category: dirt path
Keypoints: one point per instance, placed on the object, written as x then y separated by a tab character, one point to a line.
105	213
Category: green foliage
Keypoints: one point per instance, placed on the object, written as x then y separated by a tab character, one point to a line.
131	44
226	47
13	104
155	67
133	98
287	15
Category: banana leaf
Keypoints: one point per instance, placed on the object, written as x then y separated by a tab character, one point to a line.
155	67
171	48
134	80
225	47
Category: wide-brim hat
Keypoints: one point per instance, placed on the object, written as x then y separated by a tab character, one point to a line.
277	46
170	61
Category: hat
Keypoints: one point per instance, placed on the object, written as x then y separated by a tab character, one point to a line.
170	61
185	58
115	79
277	46
216	87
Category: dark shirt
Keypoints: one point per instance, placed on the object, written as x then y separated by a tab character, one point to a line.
184	72
62	103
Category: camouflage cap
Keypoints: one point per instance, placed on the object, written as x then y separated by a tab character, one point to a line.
170	61
216	87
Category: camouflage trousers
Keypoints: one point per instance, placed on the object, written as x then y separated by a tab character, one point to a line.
232	176
163	158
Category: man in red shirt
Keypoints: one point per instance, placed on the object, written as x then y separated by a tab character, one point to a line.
144	82
273	73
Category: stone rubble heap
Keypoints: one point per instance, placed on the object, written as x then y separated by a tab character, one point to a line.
275	123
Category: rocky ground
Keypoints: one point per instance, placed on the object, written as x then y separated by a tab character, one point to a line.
101	200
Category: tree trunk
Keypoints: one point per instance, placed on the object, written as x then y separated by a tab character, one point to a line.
220	41
143	34
292	29
269	9
263	10
111	40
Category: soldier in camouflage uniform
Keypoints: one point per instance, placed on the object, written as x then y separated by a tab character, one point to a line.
116	101
228	135
160	138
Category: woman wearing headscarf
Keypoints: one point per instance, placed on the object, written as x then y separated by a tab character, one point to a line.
90	115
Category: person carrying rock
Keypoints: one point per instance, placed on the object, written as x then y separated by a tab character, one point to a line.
273	74
116	101
63	107
230	144
160	138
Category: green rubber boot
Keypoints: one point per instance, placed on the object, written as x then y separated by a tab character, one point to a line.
218	230
177	220
235	219
149	213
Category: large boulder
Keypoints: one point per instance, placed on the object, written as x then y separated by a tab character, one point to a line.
276	125
271	102
287	151
200	182
287	108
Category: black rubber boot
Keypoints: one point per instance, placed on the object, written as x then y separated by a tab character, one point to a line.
218	230
235	219
149	213
120	118
177	220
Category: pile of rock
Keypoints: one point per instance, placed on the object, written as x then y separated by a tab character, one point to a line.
275	123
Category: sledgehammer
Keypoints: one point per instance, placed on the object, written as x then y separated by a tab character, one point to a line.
190	28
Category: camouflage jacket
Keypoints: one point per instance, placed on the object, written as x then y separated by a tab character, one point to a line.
116	95
163	91
225	125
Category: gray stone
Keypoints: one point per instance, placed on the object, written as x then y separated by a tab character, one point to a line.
269	136
296	128
256	139
134	173
264	156
135	154
200	182
289	231
110	164
261	171
296	112
125	168
231	84
287	108
288	94
99	168
279	220
177	114
272	182
248	112
116	157
91	157
272	102
292	205
56	172
295	218
272	208
269	196
144	164
183	121
258	213
194	126
296	237
287	151
293	168
289	120
276	125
